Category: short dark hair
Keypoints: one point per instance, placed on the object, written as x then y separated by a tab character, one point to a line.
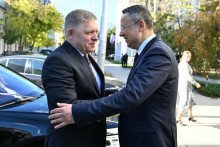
77	17
139	12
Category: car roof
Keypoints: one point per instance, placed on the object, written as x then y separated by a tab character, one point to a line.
34	56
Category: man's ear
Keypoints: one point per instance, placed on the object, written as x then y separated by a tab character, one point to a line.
142	25
70	33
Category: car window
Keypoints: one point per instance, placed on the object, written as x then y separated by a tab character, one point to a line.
36	67
14	86
17	65
3	62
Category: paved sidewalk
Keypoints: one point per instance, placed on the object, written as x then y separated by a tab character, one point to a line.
117	71
203	133
206	131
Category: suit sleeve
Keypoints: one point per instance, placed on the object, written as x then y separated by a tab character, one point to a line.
58	81
145	79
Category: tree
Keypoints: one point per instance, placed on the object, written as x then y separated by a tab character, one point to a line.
9	35
200	35
163	27
183	25
32	20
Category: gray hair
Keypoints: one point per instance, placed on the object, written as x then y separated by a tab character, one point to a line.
139	12
77	17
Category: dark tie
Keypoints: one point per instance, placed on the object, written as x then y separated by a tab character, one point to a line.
90	65
135	58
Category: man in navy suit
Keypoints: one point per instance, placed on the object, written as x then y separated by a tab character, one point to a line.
70	75
147	104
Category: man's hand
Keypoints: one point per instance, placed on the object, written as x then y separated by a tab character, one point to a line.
62	115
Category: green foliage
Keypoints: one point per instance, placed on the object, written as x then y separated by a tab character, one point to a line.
113	61
212	90
33	21
10	35
43	40
161	29
201	36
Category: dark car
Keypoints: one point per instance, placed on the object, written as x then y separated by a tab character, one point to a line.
24	112
46	51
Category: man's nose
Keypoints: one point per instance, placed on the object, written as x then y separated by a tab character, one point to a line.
121	34
95	36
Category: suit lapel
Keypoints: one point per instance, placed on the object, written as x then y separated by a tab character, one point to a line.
146	49
81	61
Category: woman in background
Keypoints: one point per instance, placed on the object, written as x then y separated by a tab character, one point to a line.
185	87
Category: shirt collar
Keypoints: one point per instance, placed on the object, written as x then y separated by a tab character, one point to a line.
144	43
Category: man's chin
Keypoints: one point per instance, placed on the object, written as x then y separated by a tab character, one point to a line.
129	45
91	50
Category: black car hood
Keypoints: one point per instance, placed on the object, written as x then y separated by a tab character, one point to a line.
36	110
37	106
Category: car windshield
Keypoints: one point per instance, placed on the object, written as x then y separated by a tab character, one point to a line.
14	87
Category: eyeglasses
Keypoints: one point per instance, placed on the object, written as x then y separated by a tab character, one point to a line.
123	27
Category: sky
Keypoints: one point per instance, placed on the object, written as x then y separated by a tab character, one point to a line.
66	6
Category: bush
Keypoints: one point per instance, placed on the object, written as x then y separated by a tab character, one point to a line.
212	90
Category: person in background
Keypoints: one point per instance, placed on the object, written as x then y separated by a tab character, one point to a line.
185	87
122	60
126	60
147	104
70	75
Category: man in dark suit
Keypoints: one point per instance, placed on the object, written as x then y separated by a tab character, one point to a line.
147	104
70	75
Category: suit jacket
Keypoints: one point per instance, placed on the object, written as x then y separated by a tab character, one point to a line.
67	78
147	104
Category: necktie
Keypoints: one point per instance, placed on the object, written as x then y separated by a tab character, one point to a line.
136	57
90	65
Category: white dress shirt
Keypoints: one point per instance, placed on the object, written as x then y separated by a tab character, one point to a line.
144	43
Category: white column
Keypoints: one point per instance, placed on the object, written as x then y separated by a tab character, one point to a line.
103	36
